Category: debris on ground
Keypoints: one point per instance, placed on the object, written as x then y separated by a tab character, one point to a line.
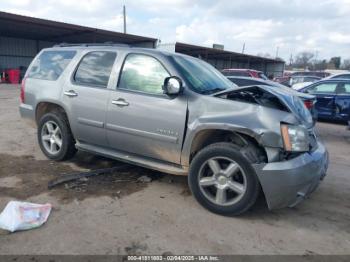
144	179
83	176
23	216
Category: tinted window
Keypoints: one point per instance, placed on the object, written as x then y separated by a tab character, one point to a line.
143	73
95	68
50	64
323	88
345	76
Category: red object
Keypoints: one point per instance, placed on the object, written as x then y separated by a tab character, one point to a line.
13	76
309	104
22	94
244	73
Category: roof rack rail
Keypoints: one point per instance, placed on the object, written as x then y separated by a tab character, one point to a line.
91	44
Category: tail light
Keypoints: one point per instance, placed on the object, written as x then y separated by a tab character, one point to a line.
22	95
309	104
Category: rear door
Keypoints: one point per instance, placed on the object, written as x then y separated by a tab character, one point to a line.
86	96
342	102
140	118
325	93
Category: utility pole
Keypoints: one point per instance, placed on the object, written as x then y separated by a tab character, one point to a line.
243	49
277	50
124	16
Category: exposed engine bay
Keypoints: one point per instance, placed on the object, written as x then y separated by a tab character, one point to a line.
256	95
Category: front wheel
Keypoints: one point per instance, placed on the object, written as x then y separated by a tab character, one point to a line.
223	180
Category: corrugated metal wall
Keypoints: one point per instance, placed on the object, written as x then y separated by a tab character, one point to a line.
18	52
269	68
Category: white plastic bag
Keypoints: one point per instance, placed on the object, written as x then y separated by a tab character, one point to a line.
23	216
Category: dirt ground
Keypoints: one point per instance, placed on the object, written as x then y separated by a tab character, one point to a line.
118	214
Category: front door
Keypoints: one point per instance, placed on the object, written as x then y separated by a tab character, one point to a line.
325	93
86	96
342	101
140	118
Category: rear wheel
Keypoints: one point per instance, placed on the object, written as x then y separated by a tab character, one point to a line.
223	180
55	138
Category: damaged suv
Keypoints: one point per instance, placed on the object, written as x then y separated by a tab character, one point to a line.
179	115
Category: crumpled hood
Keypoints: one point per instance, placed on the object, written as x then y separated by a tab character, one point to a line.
290	98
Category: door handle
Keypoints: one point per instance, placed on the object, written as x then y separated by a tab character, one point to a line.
120	102
70	93
328	97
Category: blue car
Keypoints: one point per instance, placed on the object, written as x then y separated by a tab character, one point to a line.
333	98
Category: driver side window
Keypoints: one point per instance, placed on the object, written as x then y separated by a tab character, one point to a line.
143	73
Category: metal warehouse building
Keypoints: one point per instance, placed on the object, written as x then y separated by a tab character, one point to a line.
22	37
222	59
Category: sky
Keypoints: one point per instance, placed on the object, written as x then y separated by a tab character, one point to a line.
291	26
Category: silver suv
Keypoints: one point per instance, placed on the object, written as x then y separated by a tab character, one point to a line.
179	115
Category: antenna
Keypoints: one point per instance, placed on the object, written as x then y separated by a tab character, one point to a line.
243	48
124	16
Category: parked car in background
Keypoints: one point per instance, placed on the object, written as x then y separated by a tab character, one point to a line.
298	82
309	100
320	74
333	98
244	73
281	79
175	114
296	78
339	76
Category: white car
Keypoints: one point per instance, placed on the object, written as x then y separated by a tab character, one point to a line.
299	82
339	76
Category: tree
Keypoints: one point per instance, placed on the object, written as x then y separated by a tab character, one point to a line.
346	64
320	65
336	61
303	59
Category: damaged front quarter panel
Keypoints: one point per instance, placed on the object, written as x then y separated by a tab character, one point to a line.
227	111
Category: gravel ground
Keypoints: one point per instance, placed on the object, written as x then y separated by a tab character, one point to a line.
119	214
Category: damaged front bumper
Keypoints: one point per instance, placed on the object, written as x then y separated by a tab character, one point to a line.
287	183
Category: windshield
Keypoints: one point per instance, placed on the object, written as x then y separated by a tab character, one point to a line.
202	77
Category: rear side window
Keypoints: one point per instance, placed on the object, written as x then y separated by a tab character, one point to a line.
95	69
50	64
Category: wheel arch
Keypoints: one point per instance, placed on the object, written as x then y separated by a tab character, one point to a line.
44	107
207	137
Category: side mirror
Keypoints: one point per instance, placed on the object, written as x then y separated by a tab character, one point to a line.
172	85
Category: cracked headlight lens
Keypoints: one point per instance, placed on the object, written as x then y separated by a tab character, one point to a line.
295	138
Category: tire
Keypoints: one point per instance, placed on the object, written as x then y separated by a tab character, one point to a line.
207	185
64	137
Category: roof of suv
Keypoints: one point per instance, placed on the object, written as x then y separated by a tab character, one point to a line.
113	47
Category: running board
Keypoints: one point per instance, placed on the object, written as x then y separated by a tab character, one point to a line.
134	159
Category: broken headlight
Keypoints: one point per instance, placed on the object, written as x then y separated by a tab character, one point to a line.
295	138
